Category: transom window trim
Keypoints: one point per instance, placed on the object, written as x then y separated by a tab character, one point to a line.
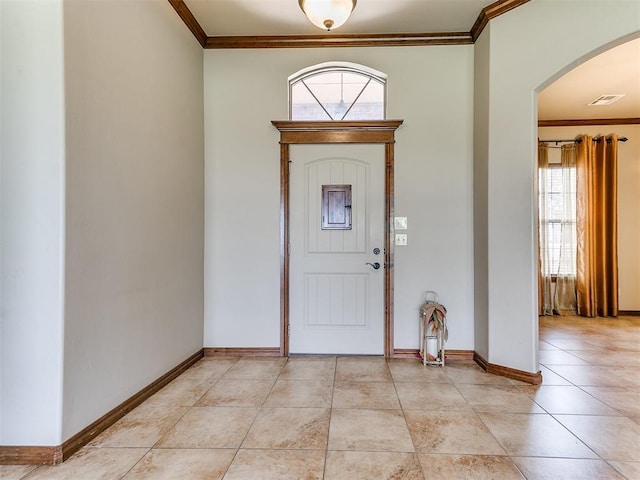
337	67
307	74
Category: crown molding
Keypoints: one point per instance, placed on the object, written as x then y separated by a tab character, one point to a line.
190	21
347	40
492	11
352	40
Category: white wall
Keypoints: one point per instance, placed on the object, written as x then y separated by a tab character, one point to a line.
135	189
628	203
431	88
529	47
31	222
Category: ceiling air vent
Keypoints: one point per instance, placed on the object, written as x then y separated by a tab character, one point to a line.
605	100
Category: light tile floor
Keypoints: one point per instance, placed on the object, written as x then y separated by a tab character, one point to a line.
363	418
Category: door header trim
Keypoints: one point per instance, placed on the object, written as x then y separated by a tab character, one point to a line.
300	132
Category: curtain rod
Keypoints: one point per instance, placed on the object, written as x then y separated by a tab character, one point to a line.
596	139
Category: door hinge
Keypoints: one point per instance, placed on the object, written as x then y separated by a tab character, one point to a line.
289	248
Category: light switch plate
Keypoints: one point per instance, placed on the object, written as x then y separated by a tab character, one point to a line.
400	223
401	239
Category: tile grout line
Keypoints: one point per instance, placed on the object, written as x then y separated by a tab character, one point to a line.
215	383
506	454
188	409
260	407
333	389
123	477
579	387
402	409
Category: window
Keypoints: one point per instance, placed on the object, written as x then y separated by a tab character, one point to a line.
560	195
337	91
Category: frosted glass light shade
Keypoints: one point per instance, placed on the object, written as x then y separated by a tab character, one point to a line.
327	14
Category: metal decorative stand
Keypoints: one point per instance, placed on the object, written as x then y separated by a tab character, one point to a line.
433	330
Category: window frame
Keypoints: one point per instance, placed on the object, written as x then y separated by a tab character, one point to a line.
543	224
338	67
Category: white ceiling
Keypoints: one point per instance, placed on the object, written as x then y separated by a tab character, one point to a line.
284	17
613	72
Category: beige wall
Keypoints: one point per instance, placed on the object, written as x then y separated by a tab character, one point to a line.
134	193
102	209
431	88
528	48
628	203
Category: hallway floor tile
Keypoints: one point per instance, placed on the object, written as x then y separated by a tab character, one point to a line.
367	418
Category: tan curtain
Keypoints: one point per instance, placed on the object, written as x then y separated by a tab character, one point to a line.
545	293
597	226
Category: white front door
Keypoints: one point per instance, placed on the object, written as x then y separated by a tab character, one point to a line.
336	300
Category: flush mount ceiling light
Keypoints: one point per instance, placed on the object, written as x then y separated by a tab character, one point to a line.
327	14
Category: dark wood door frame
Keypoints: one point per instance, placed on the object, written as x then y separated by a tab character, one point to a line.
298	132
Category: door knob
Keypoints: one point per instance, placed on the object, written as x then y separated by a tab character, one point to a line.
375	265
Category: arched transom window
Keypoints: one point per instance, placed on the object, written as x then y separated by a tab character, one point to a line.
337	91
